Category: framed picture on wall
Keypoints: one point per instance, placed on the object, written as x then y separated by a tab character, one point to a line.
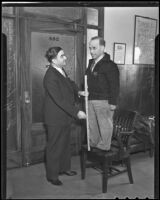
144	40
119	53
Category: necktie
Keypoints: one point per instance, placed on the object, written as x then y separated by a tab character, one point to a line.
92	65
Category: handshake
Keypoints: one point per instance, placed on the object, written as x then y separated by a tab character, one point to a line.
83	93
81	114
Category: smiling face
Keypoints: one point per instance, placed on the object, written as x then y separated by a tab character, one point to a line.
95	48
60	59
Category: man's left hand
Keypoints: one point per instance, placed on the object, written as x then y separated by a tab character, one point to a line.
83	93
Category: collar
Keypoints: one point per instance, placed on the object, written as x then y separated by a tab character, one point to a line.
59	69
106	58
99	58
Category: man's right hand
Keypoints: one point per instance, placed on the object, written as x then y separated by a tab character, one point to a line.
81	115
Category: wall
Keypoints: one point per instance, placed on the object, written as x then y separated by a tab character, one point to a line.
137	88
119	26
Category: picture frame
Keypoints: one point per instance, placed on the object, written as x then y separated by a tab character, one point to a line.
119	53
145	29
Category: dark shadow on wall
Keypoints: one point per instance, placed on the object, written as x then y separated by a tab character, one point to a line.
157	117
3	113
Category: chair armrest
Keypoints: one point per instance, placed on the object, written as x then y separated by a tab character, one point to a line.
126	133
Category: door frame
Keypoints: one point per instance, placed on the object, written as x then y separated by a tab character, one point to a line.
28	26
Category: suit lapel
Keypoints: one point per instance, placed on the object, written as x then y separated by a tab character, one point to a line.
62	78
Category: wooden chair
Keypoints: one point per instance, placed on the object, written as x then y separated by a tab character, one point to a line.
143	138
106	161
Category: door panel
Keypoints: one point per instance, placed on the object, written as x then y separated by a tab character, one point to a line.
38	42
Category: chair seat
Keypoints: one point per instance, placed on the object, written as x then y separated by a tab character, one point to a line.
103	161
99	154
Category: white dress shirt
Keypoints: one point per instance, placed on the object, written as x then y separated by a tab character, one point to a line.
97	60
60	70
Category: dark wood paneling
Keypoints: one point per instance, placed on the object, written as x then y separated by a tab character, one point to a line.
12	106
146	91
157	117
3	114
137	88
8	27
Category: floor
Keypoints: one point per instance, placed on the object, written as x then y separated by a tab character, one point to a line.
30	182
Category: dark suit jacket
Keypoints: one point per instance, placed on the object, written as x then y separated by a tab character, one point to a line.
59	103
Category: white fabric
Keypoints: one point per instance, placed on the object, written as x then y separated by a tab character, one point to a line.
97	60
60	70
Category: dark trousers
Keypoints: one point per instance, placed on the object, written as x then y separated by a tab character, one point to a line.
58	150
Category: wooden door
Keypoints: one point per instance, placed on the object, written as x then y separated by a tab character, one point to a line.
37	37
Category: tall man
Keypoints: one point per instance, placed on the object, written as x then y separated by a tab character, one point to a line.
103	87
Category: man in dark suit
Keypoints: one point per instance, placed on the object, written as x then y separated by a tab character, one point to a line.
59	112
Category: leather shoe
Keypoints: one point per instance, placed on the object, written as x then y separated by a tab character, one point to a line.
55	182
69	173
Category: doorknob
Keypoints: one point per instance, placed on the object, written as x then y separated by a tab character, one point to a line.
26	97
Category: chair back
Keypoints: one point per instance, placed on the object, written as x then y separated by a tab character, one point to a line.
123	120
123	127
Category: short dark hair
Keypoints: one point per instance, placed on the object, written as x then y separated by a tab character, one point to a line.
52	52
101	40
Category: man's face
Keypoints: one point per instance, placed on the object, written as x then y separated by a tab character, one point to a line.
60	60
95	48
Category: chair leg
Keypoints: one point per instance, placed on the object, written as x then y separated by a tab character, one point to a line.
128	165
105	172
83	164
